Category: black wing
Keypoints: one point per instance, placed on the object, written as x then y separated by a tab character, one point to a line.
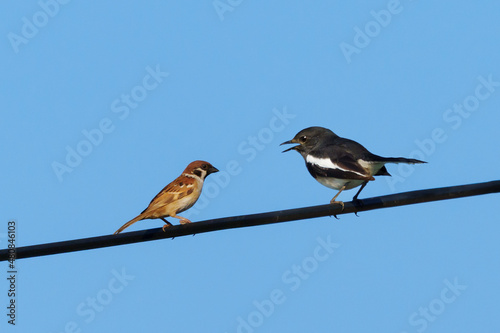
337	162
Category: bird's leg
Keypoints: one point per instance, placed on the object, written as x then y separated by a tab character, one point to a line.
355	198
361	189
336	195
183	220
166	225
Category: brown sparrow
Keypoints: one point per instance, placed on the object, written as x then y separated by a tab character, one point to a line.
176	197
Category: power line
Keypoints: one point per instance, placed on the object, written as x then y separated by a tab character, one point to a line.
393	200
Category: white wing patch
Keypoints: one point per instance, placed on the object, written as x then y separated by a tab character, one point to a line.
329	164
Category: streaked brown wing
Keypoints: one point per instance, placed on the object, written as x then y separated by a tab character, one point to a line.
173	191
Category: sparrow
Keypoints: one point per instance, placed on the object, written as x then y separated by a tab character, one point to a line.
176	197
340	163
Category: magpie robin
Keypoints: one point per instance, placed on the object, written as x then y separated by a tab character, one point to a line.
339	163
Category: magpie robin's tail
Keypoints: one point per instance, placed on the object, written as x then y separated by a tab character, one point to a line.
400	160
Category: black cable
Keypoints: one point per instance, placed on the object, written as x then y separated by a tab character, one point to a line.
393	200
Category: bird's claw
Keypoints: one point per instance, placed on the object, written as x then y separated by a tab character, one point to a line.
357	203
338	202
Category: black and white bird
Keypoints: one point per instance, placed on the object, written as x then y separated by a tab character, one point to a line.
339	163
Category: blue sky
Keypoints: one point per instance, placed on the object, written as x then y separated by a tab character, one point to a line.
103	105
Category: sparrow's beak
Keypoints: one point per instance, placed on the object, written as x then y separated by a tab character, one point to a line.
287	143
213	170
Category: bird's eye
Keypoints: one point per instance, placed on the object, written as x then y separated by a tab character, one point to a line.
303	139
204	167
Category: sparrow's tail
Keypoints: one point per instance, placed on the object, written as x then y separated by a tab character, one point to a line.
129	223
401	160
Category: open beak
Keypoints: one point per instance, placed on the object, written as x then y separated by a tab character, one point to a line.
287	143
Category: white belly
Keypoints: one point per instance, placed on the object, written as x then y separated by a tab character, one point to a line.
337	184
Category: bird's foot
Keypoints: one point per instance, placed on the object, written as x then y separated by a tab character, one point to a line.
337	202
358	204
167	224
185	221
